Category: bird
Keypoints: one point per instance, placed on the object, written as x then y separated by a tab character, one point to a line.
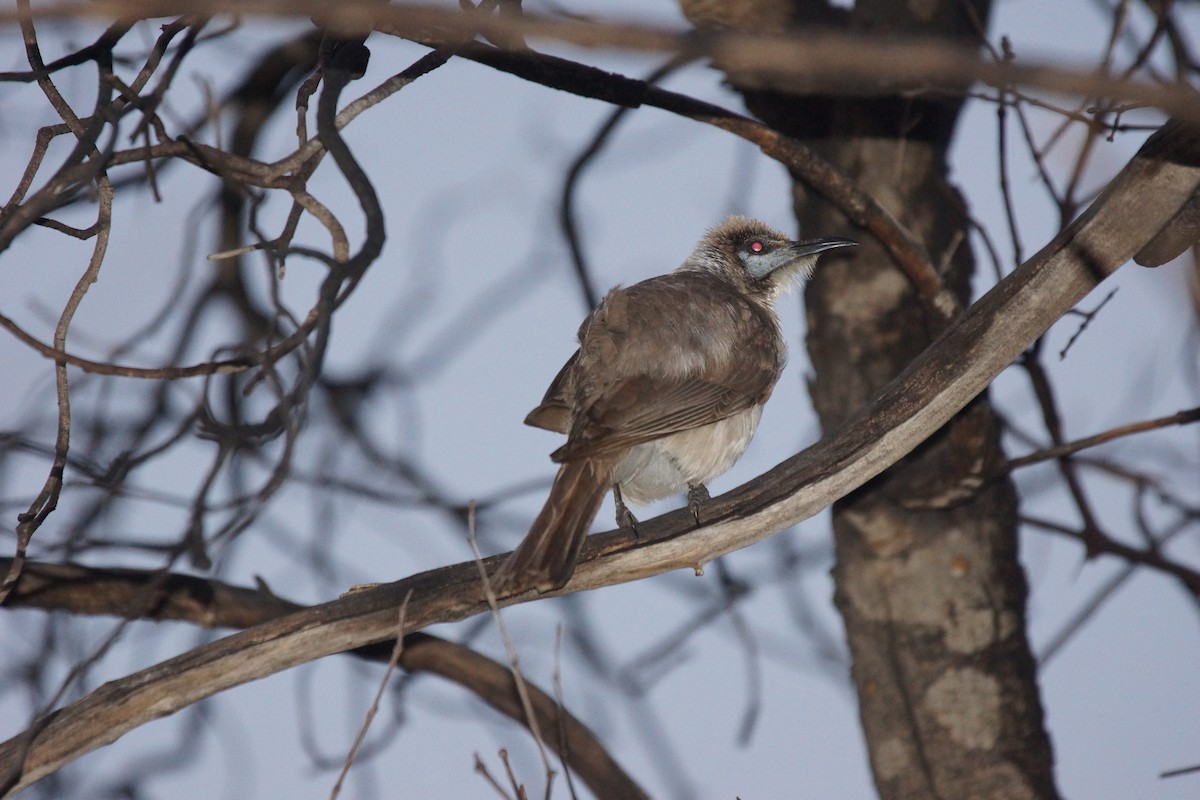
665	390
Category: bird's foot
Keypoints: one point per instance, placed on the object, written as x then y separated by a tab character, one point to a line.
697	496
626	521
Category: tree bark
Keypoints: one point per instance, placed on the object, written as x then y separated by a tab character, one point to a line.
927	577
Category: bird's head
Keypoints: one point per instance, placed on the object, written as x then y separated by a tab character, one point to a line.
758	258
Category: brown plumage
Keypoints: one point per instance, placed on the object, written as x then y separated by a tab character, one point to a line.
665	391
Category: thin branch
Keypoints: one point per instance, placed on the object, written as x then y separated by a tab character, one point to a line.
1088	316
566	209
514	665
397	650
1070	448
225	366
1098	542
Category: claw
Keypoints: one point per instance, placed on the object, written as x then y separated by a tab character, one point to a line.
697	495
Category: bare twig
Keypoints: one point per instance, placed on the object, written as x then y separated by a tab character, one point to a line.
124	370
513	661
1098	542
1069	448
1088	316
397	649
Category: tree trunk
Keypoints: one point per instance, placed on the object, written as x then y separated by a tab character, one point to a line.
927	577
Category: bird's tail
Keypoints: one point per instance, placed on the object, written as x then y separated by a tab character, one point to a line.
546	557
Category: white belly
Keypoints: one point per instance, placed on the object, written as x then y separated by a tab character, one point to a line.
667	466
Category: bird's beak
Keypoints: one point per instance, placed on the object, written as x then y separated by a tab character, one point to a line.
815	246
797	258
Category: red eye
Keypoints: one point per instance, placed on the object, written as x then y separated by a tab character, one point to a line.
756	247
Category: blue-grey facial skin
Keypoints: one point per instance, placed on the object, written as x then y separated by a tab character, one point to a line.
761	264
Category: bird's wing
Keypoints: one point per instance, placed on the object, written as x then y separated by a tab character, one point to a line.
644	407
554	412
669	354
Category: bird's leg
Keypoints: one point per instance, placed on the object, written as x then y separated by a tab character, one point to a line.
697	495
626	521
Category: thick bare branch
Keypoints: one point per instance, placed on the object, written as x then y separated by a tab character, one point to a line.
153	594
